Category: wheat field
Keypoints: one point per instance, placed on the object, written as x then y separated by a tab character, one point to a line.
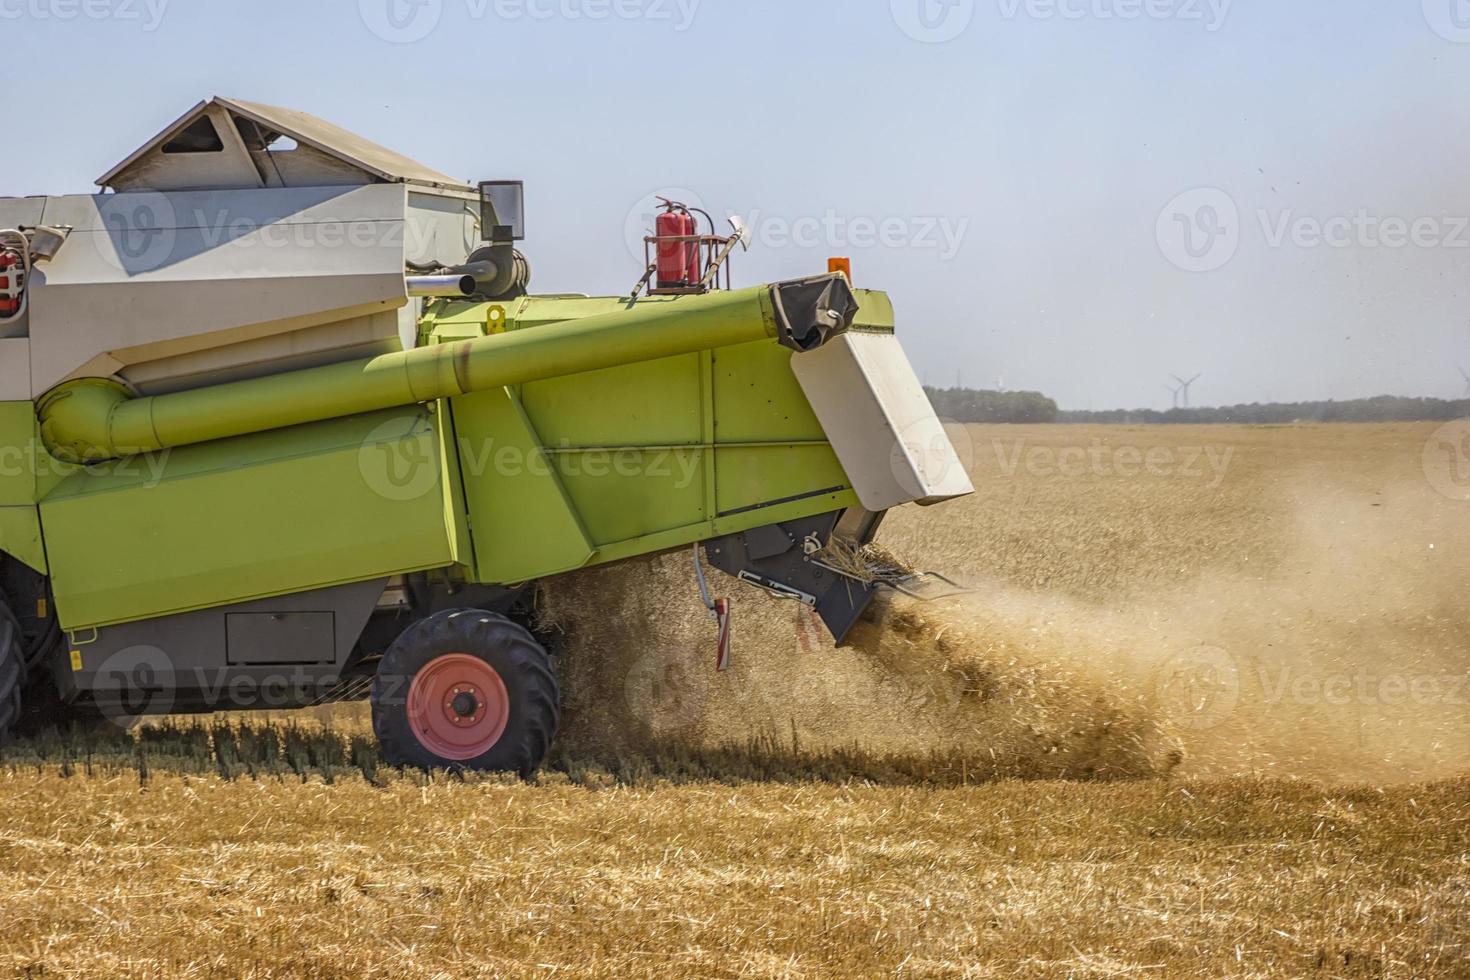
1204	714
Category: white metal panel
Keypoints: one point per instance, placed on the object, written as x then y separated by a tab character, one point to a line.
15	370
881	424
440	229
149	276
17	211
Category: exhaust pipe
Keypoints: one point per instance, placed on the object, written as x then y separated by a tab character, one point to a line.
436	287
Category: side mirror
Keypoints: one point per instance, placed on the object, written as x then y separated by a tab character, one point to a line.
503	211
742	233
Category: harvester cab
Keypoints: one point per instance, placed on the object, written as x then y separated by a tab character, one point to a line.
297	430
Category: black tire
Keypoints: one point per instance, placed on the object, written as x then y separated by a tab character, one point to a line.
12	670
509	649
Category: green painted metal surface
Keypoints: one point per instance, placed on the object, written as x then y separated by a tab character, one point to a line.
99	420
27	472
602	466
523	524
20	535
539	436
247	518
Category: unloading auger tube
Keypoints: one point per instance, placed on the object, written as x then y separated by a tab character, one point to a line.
94	419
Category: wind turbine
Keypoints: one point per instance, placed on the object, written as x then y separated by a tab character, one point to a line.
1466	375
1184	386
1175	392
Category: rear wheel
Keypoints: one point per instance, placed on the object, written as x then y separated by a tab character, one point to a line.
469	690
12	670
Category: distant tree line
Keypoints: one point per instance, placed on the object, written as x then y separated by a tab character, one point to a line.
1031	408
1385	408
1004	407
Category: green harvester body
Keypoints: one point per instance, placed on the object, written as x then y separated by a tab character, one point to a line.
195	498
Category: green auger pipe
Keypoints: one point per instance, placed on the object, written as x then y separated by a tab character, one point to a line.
95	419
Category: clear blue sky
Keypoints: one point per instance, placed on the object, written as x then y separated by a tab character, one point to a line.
1015	187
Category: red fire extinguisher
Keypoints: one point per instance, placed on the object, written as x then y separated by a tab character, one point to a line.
678	262
11	283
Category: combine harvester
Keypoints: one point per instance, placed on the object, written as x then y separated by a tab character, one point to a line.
282	425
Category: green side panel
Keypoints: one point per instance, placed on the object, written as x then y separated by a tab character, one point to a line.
656	403
752	478
456	512
630	493
627	445
20	536
522	523
643	458
325	504
21	457
758	399
27	470
875	311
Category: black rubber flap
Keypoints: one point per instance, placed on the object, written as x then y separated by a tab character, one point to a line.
810	312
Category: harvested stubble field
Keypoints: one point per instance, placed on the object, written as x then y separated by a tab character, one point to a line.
1205	715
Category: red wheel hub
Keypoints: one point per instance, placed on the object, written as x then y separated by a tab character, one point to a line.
458	707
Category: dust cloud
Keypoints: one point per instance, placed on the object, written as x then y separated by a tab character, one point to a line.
1344	661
